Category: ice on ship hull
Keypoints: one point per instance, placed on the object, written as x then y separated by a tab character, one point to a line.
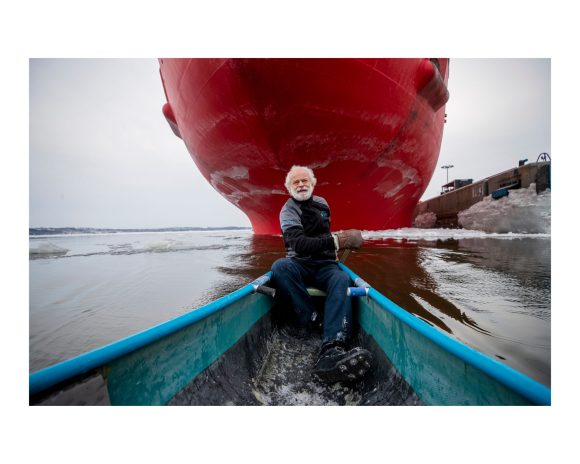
370	128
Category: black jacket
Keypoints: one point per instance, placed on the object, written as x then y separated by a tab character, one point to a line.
306	229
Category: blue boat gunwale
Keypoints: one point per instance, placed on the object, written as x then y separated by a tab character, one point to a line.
51	376
530	389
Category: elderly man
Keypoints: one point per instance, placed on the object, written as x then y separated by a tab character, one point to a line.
312	261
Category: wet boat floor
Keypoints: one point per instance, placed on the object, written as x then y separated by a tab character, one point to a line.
277	370
285	377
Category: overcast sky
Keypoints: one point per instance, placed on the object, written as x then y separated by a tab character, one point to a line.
102	154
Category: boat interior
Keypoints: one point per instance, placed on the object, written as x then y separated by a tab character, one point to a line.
272	363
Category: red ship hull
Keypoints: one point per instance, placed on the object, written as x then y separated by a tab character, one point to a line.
370	129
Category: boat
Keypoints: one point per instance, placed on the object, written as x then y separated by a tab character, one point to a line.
371	130
241	350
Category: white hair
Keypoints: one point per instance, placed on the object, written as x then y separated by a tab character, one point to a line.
288	183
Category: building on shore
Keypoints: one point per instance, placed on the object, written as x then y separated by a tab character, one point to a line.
461	194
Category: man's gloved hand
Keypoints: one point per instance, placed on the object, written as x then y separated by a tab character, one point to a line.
349	239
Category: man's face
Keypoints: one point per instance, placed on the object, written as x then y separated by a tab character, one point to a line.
300	186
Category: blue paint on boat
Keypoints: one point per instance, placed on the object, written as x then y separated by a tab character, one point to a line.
151	367
54	375
529	389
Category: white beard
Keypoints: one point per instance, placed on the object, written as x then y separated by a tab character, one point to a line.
302	196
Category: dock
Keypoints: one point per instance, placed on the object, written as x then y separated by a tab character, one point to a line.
461	194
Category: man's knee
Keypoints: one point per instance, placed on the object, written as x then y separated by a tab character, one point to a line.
285	269
340	279
282	266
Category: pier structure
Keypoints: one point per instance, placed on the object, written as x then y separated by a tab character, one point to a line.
461	194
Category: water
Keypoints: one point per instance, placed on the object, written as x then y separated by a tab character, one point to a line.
490	291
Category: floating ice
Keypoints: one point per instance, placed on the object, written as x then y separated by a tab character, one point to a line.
522	211
426	220
47	249
409	233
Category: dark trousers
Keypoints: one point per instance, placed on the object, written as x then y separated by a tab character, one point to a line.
291	276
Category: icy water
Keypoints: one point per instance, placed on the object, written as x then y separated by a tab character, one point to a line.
490	291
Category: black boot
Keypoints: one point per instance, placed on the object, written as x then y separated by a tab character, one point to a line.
336	364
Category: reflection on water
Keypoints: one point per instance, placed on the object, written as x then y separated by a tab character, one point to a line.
492	294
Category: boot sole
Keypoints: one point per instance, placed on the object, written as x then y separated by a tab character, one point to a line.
351	368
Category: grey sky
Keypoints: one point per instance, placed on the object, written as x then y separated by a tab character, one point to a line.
497	114
102	154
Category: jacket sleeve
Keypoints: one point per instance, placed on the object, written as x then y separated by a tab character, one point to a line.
297	240
304	245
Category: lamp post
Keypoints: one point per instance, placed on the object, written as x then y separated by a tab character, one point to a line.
448	167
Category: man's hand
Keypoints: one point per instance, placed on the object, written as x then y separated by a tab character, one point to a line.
349	239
